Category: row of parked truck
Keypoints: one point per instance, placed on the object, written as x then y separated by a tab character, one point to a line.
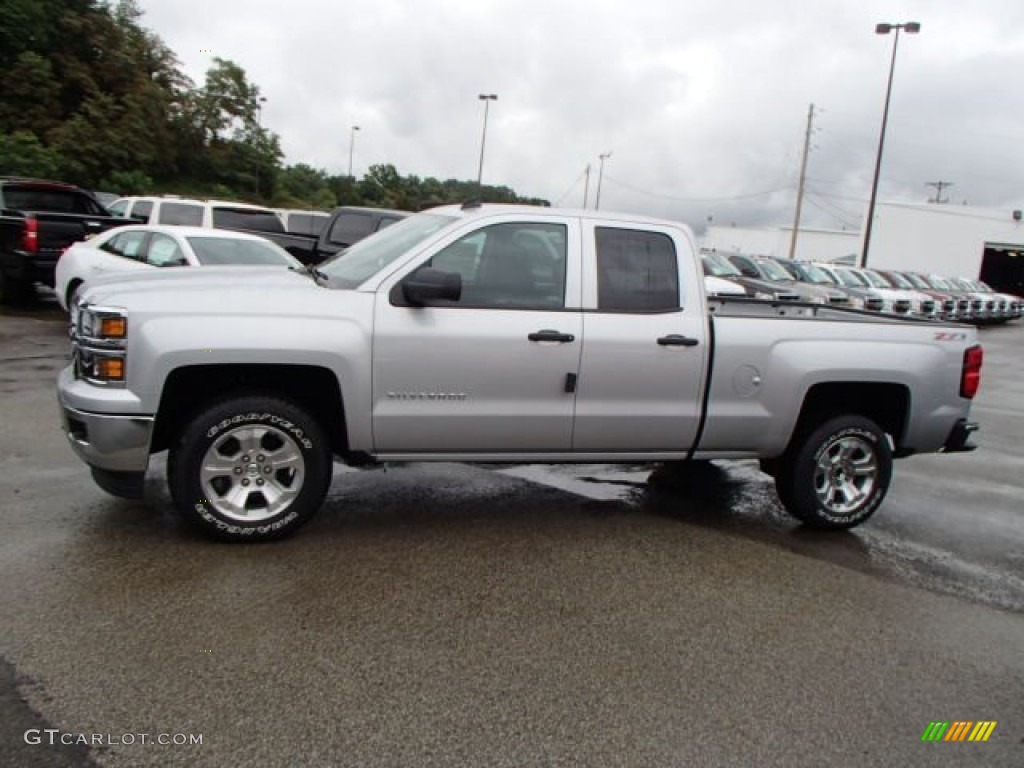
910	294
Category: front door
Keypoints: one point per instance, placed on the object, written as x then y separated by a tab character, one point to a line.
492	372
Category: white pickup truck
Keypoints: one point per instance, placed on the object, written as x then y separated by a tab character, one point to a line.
496	334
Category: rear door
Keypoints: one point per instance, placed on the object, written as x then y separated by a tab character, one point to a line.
645	341
494	371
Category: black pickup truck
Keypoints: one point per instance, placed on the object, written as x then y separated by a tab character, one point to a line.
349	224
38	220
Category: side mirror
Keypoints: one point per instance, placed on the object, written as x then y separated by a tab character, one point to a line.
749	272
181	261
426	285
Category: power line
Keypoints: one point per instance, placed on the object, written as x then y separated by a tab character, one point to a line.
765	193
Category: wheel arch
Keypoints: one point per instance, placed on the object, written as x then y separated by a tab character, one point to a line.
886	404
190	389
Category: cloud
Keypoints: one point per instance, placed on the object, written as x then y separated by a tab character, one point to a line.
703	105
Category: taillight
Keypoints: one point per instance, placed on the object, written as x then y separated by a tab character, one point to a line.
30	236
970	376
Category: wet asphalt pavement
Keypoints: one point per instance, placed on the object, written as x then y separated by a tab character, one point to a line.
551	616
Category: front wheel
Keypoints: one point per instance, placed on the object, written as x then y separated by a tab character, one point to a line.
250	469
837	475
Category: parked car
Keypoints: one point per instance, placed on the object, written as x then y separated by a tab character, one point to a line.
921	303
849	281
858	298
142	248
768	269
947	305
451	337
717	264
1005	303
38	220
894	301
716	286
1014	304
217	214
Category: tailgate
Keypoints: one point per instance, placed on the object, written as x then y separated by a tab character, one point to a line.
59	230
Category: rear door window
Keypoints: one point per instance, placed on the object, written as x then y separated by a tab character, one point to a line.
163	251
142	209
248	218
350	227
306	223
636	271
126	244
182	214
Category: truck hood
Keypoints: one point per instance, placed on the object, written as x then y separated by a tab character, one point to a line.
186	288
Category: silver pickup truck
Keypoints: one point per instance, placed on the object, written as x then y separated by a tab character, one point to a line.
496	334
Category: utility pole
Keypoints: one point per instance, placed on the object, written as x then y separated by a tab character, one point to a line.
800	189
600	176
586	185
939	186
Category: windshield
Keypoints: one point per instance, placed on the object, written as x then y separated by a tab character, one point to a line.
917	281
816	274
214	251
366	258
899	281
875	280
718	266
774	270
850	278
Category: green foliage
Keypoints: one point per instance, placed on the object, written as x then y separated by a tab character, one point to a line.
22	154
88	95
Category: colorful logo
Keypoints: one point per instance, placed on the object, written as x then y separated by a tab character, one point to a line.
959	730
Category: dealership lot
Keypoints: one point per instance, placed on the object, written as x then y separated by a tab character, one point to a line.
453	614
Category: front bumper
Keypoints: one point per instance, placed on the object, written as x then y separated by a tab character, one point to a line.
117	442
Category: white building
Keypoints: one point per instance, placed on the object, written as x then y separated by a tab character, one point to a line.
811	245
922	237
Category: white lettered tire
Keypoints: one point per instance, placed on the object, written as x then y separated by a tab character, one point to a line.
250	468
837	474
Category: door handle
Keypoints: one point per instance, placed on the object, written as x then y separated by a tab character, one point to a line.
675	340
548	335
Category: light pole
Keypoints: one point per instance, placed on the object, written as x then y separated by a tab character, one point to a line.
351	147
600	175
486	98
911	28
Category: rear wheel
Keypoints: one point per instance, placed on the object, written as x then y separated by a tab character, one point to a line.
836	475
250	469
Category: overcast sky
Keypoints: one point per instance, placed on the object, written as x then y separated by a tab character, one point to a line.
703	105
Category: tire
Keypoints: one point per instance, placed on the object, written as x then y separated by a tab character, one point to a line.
836	476
73	290
250	468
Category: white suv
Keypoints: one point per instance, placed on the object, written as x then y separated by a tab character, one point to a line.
197	213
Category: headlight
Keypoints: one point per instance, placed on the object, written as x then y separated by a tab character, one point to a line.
103	324
98	339
765	296
857	303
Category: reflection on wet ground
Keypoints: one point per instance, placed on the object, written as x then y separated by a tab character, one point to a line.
736	497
